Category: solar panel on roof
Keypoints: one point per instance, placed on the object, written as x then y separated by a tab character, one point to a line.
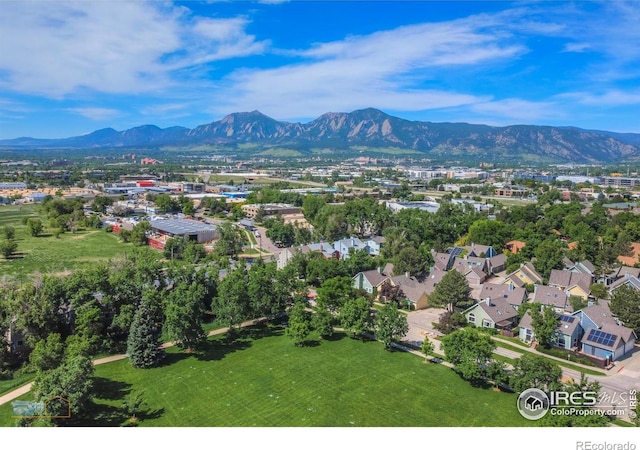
600	337
569	319
455	251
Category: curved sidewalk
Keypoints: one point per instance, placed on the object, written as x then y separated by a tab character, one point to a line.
12	395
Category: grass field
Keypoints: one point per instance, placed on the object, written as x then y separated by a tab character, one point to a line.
48	254
262	379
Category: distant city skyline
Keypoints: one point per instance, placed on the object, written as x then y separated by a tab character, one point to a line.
72	67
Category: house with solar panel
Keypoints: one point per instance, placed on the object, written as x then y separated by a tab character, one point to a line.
605	337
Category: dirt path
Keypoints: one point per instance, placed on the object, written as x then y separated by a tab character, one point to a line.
6	398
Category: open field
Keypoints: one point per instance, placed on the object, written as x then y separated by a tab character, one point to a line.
49	254
264	380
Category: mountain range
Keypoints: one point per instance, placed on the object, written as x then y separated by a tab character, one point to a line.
369	128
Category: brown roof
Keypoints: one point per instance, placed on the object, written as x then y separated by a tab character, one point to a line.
411	287
515	246
549	295
498	309
514	296
567	279
633	259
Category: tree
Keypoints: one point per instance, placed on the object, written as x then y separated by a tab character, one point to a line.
532	371
390	325
143	344
299	326
549	255
599	291
34	227
72	380
8	247
544	321
489	232
427	348
470	351
47	354
355	316
408	260
453	291
174	248
625	304
184	307
132	404
166	203
9	232
100	204
322	322
139	233
334	292
232	305
230	243
449	322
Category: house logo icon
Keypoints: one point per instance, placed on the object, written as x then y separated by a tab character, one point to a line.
533	404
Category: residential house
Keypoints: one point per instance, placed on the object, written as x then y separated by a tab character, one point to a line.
567	334
582	267
492	313
515	296
525	274
375	244
497	263
372	280
413	290
605	337
14	338
618	272
480	251
627	280
324	248
474	275
553	297
631	260
442	261
573	283
344	247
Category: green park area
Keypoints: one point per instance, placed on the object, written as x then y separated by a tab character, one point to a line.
263	379
49	254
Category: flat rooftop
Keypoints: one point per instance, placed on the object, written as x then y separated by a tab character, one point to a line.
181	226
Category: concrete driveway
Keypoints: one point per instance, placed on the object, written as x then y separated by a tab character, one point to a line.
420	325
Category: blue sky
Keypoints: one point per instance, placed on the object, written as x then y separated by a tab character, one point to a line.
69	68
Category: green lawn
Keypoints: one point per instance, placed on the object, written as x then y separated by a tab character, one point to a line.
48	254
13	383
264	380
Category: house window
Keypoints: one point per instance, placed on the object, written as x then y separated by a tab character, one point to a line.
19	342
472	318
486	323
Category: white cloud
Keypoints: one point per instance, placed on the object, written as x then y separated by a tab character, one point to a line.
577	47
511	109
388	69
58	48
609	98
97	114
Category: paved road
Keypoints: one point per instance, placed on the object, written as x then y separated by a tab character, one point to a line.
615	383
